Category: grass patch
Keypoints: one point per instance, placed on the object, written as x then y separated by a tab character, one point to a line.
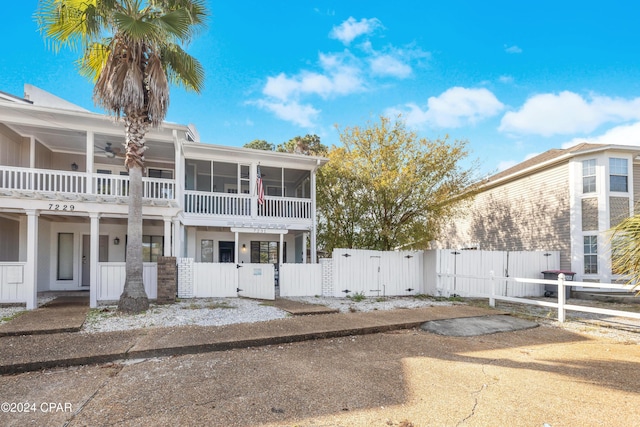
11	316
221	305
357	297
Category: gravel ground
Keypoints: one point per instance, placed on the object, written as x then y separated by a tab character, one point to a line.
225	311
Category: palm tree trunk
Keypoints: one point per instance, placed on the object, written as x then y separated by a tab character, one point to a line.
134	298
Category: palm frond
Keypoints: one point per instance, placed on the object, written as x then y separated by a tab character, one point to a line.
183	69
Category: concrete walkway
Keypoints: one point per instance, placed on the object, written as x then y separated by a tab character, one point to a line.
63	314
34	352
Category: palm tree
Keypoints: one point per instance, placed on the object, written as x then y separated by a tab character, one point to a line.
132	49
625	250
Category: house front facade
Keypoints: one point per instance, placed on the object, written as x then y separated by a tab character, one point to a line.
64	201
564	199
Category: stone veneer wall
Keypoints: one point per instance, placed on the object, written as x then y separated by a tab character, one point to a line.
167	280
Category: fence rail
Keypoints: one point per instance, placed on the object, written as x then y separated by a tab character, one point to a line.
561	305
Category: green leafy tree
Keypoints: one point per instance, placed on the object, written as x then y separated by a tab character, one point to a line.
260	144
309	145
625	250
386	188
132	49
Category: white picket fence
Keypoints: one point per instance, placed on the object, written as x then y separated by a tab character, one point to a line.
112	275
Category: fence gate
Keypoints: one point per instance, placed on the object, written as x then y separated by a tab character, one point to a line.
256	281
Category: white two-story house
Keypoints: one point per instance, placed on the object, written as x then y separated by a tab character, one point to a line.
64	201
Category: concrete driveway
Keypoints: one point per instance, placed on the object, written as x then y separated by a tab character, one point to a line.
402	378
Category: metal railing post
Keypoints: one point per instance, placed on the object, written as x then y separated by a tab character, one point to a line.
561	298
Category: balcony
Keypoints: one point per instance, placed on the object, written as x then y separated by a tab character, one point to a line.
245	206
16	180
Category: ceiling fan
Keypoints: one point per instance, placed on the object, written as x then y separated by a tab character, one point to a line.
111	152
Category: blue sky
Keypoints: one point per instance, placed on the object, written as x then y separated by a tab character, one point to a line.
513	78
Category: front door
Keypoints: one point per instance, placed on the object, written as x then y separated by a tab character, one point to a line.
103	255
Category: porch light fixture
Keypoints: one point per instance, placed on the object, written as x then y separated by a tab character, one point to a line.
244	248
116	241
74	166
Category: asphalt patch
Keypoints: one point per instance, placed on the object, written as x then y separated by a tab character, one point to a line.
474	326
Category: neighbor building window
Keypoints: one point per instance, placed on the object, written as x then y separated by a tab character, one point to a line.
618	175
590	254
589	176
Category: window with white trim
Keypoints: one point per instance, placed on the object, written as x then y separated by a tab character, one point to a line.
589	176
590	254
618	175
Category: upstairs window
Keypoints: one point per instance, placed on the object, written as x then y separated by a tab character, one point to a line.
618	175
589	176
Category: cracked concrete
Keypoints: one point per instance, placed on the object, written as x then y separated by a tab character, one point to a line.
398	378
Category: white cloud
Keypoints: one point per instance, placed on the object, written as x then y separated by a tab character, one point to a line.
505	79
512	49
619	135
455	107
337	78
387	65
351	29
299	114
567	112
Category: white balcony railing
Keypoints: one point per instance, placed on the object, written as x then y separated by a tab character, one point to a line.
52	181
42	180
226	204
285	207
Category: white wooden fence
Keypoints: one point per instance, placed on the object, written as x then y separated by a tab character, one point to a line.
12	286
300	280
215	280
391	273
494	294
112	275
376	273
449	272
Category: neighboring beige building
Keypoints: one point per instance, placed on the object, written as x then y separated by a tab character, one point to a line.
564	200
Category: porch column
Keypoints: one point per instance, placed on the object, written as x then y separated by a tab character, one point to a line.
89	160
167	236
235	248
253	189
304	247
281	251
177	239
178	160
31	268
94	251
314	254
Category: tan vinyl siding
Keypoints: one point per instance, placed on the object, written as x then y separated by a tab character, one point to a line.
590	214
618	210
527	214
